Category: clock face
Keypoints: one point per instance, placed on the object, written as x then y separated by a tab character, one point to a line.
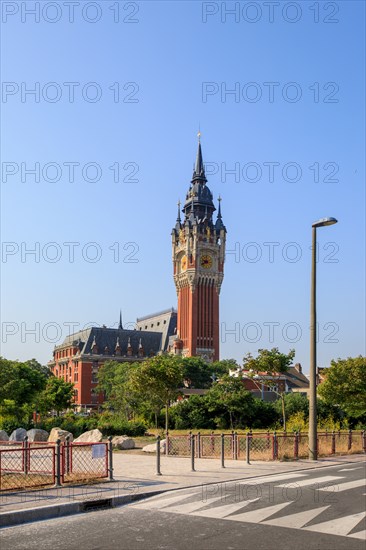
206	261
183	263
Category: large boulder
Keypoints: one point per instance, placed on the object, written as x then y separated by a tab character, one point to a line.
3	436
152	448
123	442
58	433
18	435
92	436
37	435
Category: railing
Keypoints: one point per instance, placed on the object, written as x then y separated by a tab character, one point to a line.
34	464
264	446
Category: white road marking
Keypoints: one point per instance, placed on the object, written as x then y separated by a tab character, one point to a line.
255	516
313	481
339	526
161	503
269	479
296	521
221	512
345	486
350	469
191	506
360	535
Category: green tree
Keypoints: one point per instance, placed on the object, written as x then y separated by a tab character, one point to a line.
20	384
345	385
57	395
113	380
267	369
229	398
157	381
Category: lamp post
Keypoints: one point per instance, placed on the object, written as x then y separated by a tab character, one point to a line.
313	452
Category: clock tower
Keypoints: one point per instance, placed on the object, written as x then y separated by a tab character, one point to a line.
198	260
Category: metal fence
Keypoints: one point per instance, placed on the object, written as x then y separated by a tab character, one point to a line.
264	446
32	464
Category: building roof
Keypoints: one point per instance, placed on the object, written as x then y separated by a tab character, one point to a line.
163	322
108	338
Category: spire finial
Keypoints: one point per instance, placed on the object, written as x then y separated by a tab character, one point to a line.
120	326
219	212
199	133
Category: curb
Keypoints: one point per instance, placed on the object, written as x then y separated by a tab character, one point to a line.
18	517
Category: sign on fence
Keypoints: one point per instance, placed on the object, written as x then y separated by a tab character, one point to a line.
98	451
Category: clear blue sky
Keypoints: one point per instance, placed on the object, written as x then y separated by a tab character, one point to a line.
162	63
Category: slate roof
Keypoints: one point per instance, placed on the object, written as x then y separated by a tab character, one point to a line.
107	337
166	329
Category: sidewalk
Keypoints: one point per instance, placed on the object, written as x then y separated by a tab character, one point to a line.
135	478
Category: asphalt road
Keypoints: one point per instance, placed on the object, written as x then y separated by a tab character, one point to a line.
313	509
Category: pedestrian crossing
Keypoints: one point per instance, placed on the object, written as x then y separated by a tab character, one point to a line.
316	518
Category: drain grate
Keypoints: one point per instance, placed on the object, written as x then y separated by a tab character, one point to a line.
94	505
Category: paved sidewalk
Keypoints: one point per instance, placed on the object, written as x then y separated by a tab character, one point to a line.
135	478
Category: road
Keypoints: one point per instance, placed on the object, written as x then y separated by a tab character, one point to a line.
312	509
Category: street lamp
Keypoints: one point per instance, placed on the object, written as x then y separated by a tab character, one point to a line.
313	452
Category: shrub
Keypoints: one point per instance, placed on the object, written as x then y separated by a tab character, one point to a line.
114	425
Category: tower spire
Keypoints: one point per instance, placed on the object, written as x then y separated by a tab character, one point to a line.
199	169
120	326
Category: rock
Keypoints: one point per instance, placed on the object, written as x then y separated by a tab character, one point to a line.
92	436
152	448
3	436
123	442
58	433
18	435
37	435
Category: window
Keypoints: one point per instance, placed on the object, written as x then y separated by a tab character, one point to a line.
165	322
158	323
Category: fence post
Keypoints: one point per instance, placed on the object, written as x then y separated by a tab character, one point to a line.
333	443
247	447
199	445
349	440
235	446
274	448
25	454
167	443
110	458
158	471
58	463
296	445
67	445
222	451
363	439
192	441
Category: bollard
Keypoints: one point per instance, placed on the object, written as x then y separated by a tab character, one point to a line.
67	449
222	451
158	472
247	447
333	443
192	441
349	440
25	454
296	445
110	458
58	463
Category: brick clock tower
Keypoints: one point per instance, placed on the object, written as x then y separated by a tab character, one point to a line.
198	259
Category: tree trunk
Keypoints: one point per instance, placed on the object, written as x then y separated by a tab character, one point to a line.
166	416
